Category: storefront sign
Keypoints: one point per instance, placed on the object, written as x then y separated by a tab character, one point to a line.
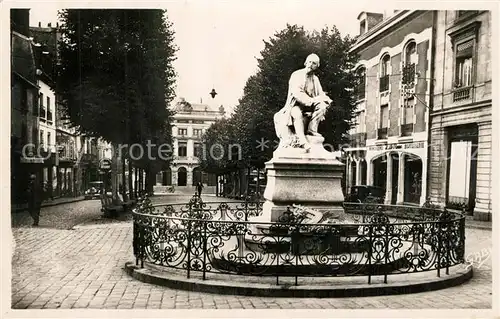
32	160
396	146
105	164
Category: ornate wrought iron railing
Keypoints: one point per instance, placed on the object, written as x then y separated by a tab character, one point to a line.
367	240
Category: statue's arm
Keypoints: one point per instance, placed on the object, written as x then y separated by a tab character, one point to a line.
297	89
322	95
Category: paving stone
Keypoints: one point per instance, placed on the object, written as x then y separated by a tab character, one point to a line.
83	268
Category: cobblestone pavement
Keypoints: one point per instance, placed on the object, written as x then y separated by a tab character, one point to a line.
66	216
83	268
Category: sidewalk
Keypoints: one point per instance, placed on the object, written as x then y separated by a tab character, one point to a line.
47	203
470	223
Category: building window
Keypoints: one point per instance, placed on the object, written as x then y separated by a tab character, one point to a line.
384	121
198	122
384	73
182	131
182	121
40	102
197	132
361	83
362	27
463	14
182	149
42	140
49	140
410	62
360	122
49	110
197	150
463	63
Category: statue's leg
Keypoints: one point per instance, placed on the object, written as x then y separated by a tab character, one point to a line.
317	116
298	124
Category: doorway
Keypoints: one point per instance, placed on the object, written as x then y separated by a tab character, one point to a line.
182	176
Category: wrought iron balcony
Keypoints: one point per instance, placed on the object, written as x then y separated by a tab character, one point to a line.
358	139
409	74
462	94
384	83
382	133
407	129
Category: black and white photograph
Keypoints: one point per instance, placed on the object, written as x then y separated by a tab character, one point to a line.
285	156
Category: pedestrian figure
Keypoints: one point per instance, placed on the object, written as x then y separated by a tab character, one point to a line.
199	187
35	198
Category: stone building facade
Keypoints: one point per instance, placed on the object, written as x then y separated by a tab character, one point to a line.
190	122
389	139
461	130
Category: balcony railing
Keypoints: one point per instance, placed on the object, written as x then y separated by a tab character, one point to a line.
407	129
358	139
382	133
462	94
409	73
384	83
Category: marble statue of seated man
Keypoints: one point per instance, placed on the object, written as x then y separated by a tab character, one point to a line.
305	106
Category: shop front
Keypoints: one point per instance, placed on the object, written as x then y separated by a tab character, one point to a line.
400	169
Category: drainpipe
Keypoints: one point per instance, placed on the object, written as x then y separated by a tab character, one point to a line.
431	101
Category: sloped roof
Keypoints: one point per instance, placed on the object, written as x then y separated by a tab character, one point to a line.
23	58
184	106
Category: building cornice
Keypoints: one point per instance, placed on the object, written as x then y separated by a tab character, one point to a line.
382	27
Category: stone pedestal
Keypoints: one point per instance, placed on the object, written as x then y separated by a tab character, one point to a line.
298	177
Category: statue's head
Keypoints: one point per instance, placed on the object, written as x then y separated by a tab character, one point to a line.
312	62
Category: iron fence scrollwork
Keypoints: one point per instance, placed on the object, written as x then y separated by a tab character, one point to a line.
369	239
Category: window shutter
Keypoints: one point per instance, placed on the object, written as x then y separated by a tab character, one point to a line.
465	49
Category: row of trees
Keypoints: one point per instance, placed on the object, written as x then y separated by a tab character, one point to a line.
251	125
115	79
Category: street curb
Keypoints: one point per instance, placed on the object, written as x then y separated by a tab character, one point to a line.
478	227
19	210
264	290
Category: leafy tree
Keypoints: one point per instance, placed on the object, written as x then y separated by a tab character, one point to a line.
266	91
115	76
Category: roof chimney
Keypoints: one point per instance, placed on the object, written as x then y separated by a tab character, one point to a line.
19	21
368	20
49	25
39	24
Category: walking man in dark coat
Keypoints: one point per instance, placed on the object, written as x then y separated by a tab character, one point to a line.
199	188
35	198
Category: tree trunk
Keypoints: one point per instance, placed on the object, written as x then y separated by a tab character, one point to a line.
130	181
136	182
249	171
257	191
141	181
124	182
114	172
216	185
150	180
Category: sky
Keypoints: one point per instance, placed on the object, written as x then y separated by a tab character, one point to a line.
219	40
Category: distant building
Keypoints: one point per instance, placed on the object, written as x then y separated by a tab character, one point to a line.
190	122
71	160
24	107
388	142
461	129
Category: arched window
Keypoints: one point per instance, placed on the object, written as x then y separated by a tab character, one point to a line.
410	61
384	72
361	82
